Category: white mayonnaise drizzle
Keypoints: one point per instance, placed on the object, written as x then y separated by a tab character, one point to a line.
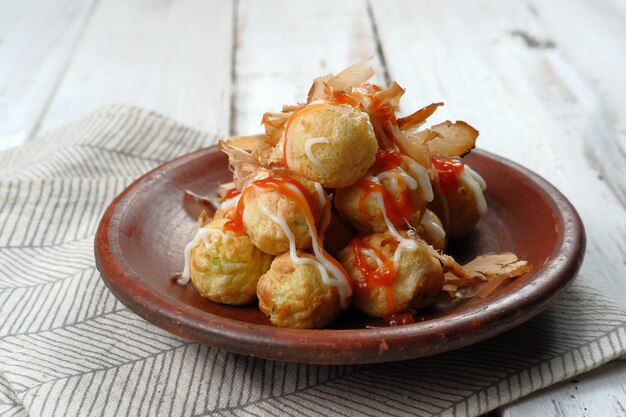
423	179
409	180
335	278
371	254
287	143
309	152
481	182
406	245
202	235
476	184
321	195
398	179
392	179
259	176
431	226
231	202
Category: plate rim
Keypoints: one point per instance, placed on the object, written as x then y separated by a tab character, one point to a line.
322	346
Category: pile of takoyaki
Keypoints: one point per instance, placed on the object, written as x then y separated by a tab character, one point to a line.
392	191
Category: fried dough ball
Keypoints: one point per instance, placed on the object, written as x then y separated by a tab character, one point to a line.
429	228
364	213
334	145
418	279
295	295
226	267
461	207
267	234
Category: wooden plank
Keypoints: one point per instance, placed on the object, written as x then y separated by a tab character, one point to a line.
599	393
529	102
172	57
600	60
496	66
37	39
282	45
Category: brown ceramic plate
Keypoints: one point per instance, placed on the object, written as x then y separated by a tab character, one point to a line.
140	241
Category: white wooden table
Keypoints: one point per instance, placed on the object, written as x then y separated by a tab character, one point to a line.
544	82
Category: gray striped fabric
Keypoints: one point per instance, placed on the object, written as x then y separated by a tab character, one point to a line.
68	347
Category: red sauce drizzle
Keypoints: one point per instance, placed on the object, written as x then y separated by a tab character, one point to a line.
233	192
343	98
374	276
384	121
386	161
448	173
382	115
236	224
385	113
292	119
278	182
398	210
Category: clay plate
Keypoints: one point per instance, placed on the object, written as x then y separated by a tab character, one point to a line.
140	241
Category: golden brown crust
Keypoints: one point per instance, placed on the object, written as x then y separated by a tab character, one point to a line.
368	218
418	280
349	153
227	267
417	221
264	232
295	296
458	210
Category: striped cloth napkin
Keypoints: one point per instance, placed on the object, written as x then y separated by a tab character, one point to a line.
68	347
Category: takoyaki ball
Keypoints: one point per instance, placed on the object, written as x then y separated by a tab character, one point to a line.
225	267
461	205
418	279
334	145
266	231
362	208
429	228
295	295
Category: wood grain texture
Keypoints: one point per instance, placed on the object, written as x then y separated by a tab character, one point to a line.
282	45
542	81
600	62
529	103
599	393
172	57
532	103
37	39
